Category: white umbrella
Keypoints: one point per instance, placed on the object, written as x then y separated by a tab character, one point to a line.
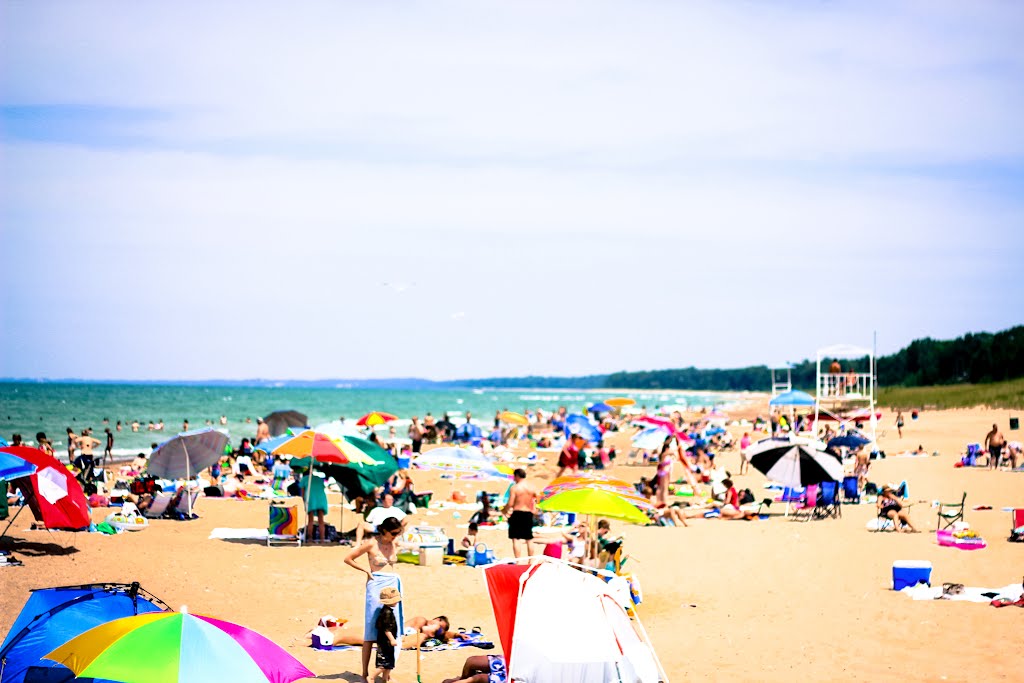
795	462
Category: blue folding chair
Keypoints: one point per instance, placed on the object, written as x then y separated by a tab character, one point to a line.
827	503
851	489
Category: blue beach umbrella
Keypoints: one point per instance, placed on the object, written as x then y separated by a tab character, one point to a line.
270	444
468	432
600	407
792	398
13	467
851	441
580	424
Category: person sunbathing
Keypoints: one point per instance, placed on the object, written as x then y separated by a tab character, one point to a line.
890	507
731	507
417	630
482	669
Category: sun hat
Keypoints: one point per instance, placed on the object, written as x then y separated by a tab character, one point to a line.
390	596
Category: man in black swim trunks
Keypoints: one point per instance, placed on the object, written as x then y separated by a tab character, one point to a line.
522	503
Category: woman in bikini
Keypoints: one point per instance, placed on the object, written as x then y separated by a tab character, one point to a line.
382	560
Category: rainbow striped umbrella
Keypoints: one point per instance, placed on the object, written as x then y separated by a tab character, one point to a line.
323	448
173	647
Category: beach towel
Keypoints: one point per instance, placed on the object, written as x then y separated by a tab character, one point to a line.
968	594
477	640
374	586
225	533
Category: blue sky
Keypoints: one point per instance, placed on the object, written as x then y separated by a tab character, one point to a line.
473	189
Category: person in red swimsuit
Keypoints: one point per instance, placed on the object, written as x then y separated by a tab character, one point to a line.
569	458
731	508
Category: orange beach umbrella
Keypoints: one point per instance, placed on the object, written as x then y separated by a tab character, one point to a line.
620	402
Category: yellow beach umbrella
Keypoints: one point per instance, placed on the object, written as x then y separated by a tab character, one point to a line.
514	418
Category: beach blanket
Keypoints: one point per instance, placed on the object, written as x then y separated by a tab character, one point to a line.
377	582
970	593
477	640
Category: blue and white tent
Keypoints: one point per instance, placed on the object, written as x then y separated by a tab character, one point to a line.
53	616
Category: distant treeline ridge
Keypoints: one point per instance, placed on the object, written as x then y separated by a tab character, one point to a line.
972	358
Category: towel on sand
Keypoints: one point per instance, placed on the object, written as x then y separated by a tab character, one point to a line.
969	594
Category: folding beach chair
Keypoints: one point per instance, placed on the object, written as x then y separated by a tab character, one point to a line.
186	508
803	511
1017	526
851	489
283	527
158	508
827	504
950	513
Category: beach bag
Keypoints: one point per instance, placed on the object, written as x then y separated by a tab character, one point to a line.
481	555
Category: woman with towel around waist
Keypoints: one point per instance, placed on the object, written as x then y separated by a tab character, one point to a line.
382	557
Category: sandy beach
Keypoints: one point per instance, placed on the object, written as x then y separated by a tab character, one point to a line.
772	600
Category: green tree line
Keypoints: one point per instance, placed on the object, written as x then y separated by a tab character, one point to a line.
973	358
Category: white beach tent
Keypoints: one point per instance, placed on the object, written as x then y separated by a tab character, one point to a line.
568	626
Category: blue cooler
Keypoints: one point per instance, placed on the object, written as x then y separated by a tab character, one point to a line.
403	462
910	573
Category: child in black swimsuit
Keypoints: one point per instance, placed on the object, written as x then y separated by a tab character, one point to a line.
387	632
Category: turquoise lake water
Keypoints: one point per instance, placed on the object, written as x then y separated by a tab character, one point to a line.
27	408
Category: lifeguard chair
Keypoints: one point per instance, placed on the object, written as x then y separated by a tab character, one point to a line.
847	396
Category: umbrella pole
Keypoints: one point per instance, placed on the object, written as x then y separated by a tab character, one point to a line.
418	653
12	520
309	486
188	476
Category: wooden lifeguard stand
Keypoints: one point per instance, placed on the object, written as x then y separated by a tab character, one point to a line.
840	392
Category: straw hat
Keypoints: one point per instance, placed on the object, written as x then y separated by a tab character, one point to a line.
390	596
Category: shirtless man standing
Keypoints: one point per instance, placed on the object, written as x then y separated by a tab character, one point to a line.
262	430
522	502
994	443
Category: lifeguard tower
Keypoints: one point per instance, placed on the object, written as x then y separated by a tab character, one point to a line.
846	395
782	378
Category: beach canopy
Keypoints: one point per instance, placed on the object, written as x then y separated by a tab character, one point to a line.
793	398
13	467
279	421
53	616
52	492
175	647
556	623
794	462
181	456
